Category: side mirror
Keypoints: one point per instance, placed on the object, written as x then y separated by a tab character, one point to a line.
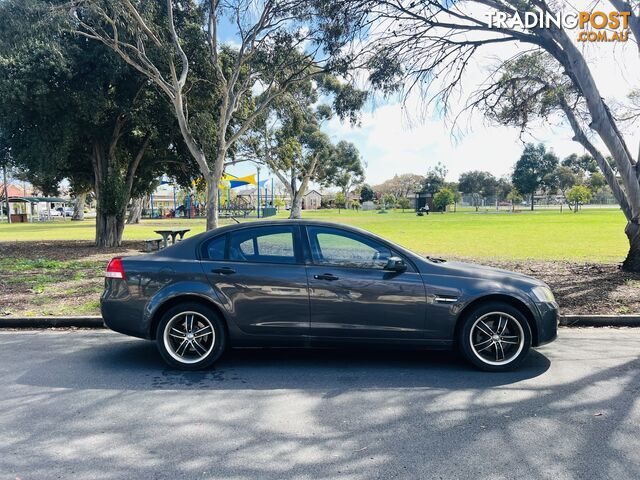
395	264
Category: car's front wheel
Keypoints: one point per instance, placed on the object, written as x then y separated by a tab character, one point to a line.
190	336
495	336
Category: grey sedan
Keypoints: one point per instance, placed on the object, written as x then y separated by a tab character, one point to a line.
307	283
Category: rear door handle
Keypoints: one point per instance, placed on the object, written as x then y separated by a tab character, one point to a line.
326	276
223	271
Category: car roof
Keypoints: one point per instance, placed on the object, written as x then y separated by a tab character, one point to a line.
291	221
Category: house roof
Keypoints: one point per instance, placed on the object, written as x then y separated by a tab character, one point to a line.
312	191
13	191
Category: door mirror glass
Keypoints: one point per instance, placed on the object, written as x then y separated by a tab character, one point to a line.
395	264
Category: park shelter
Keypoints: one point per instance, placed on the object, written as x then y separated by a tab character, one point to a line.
37	206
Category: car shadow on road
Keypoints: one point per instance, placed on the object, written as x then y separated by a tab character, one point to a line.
136	365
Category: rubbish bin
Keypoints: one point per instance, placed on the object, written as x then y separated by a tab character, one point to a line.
19	218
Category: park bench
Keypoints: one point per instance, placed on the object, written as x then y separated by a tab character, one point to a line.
151	243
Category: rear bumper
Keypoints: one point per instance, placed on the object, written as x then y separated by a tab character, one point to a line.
122	313
548	323
120	322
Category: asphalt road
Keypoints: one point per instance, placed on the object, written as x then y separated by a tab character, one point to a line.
98	405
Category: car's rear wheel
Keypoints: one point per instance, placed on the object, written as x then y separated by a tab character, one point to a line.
495	336
190	336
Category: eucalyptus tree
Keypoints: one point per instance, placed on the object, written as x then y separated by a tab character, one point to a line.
435	178
478	184
366	193
278	44
345	169
532	170
562	178
294	149
287	137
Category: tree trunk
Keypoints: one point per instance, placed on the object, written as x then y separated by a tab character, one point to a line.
632	262
296	202
212	204
213	180
109	229
112	189
532	201
135	213
296	205
78	206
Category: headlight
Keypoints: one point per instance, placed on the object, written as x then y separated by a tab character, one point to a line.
543	294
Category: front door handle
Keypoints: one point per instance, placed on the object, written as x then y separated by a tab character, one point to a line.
223	271
326	276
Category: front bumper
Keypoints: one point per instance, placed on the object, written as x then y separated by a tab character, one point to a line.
548	323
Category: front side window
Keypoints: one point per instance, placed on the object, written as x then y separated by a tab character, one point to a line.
337	247
264	245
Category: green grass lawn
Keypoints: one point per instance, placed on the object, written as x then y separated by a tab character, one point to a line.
591	235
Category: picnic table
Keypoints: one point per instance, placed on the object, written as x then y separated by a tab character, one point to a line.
171	232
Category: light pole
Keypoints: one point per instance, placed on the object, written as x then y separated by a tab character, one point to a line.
6	192
258	189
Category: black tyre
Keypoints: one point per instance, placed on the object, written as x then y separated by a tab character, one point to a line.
191	336
495	337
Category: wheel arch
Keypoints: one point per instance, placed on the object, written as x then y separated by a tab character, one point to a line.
504	298
183	298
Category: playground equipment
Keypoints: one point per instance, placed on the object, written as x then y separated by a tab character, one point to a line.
260	202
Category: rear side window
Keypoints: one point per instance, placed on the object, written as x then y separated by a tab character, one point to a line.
263	245
214	248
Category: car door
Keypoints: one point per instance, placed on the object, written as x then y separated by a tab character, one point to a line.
352	295
260	278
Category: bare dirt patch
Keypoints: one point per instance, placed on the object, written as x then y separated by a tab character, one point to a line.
65	278
581	288
54	278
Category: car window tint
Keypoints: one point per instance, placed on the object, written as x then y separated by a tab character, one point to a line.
266	245
246	247
215	248
277	244
335	247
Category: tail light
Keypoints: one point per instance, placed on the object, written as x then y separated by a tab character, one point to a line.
115	269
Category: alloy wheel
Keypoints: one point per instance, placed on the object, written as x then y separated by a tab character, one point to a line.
189	337
496	338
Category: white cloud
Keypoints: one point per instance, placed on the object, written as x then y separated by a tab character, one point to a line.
392	144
